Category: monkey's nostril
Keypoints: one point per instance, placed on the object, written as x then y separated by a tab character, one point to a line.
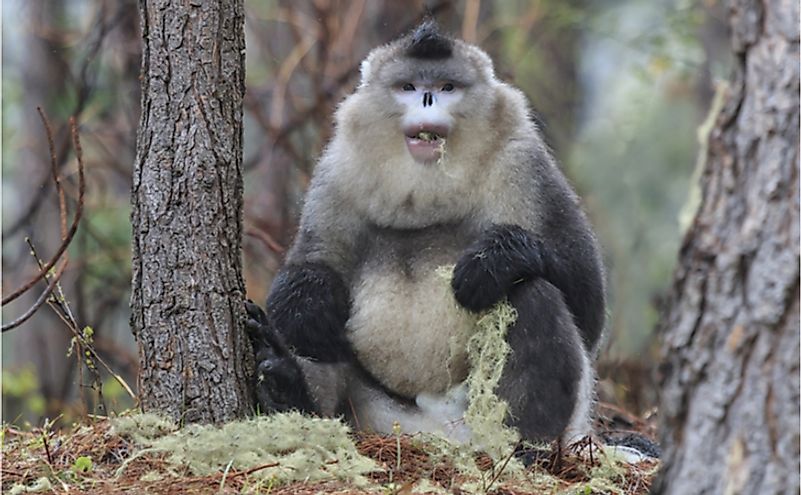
428	99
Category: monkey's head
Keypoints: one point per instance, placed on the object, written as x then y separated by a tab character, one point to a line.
423	126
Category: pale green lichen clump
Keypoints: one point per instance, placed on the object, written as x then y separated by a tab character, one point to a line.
442	149
487	351
302	448
41	485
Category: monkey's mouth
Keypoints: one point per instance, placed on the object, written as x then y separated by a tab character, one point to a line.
426	143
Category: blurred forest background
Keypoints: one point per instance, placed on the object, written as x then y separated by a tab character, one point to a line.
620	86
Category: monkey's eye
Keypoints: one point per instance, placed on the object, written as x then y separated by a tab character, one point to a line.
448	87
408	87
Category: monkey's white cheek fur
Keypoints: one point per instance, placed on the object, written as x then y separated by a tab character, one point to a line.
410	332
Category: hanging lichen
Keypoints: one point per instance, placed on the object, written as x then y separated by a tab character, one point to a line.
487	351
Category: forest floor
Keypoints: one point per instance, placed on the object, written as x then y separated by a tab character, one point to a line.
96	458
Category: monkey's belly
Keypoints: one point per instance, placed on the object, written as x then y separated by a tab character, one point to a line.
410	333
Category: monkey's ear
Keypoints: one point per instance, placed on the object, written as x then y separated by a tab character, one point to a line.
364	68
426	42
375	59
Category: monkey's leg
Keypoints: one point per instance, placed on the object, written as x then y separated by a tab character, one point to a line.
548	378
371	408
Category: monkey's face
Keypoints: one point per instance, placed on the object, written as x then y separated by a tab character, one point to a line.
432	101
423	108
427	115
421	130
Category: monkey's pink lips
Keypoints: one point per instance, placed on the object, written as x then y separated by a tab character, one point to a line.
426	143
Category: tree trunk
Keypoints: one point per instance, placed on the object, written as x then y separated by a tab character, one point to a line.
730	375
187	301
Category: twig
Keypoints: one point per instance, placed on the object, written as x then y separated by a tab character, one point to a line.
62	208
41	300
80	339
498	473
83	92
73	228
470	21
45	434
254	469
266	239
284	75
352	20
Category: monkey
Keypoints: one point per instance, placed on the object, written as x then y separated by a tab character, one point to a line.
434	161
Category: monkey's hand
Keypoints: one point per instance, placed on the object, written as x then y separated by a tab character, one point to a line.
503	256
279	381
309	306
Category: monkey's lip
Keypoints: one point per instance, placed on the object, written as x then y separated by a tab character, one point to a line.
426	143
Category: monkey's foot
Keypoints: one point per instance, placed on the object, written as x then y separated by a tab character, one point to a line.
447	412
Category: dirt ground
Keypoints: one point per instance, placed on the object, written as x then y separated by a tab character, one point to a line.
92	459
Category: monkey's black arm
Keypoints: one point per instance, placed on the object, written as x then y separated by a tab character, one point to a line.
509	254
488	269
309	306
309	302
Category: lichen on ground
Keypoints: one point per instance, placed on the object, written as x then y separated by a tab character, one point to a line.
146	454
287	447
41	485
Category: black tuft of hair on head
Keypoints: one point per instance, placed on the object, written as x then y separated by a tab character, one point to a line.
427	42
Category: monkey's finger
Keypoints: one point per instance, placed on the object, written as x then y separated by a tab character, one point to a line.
255	312
253	325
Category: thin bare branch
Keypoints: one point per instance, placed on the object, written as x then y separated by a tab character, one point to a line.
81	341
62	207
470	21
73	228
84	91
266	238
41	300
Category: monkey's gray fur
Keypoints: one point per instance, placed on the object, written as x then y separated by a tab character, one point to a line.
434	161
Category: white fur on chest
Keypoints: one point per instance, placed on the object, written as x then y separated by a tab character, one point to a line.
409	332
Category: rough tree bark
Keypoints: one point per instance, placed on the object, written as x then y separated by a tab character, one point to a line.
187	311
730	376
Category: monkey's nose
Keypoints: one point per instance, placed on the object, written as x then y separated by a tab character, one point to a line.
428	99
